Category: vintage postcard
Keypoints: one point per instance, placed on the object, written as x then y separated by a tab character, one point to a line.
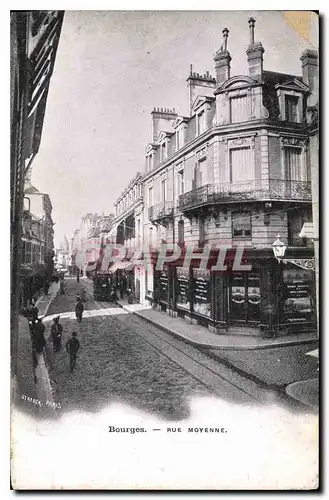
164	250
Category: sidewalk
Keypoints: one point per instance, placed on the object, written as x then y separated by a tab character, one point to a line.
200	336
283	364
305	391
34	395
44	301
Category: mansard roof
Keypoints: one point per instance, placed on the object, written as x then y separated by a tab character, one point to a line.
273	77
238	81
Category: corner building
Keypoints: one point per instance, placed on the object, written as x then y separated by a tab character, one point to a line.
234	174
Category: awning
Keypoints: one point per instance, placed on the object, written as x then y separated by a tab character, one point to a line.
122	265
112	232
307	230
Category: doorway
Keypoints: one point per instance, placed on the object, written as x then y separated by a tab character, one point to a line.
244	298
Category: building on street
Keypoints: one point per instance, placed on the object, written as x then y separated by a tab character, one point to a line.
127	230
233	174
34	38
37	246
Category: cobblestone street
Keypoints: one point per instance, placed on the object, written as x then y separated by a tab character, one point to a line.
115	365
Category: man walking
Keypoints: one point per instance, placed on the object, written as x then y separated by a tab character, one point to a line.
72	347
56	334
38	339
32	316
79	310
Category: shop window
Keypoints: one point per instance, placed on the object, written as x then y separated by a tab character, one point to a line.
241	225
291	108
182	288
298	295
201	292
163	286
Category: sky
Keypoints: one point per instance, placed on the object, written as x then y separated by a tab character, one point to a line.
112	68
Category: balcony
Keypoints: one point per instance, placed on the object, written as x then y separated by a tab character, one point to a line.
161	211
256	190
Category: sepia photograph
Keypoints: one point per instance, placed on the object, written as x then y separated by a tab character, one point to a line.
164	250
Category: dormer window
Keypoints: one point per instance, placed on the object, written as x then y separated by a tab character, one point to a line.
178	145
290	95
163	151
201	122
149	163
239	109
291	108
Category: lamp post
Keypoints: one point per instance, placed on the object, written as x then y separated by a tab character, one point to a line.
279	249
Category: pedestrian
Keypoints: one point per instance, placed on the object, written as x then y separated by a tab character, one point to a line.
113	296
130	296
56	334
79	310
72	347
38	339
32	316
123	286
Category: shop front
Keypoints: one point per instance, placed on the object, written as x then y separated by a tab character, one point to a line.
269	299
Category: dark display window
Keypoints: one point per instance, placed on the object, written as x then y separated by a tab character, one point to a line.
201	292
182	287
163	286
297	294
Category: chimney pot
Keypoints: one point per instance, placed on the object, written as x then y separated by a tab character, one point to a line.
251	23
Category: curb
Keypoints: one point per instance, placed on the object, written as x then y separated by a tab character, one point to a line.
49	303
279	389
226	347
304	401
45	363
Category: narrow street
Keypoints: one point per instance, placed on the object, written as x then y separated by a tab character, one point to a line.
124	359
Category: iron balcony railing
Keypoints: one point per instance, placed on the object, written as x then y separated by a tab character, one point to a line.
257	190
161	210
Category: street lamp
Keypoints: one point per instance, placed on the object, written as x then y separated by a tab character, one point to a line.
279	249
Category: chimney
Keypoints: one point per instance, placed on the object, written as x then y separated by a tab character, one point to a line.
309	60
222	61
198	84
255	53
162	120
